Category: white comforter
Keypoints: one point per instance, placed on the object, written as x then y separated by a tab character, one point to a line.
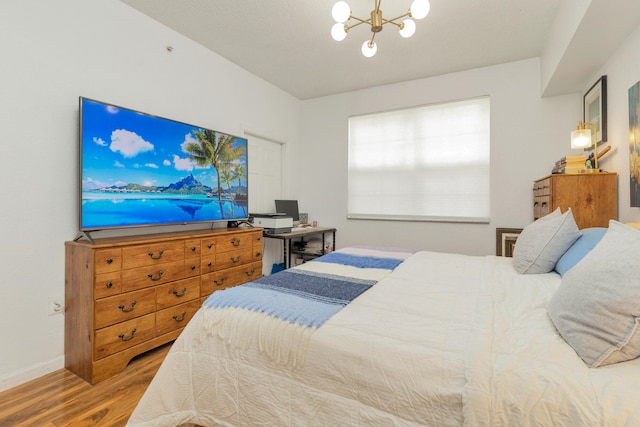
445	340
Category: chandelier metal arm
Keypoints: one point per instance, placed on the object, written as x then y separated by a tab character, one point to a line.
373	35
360	22
392	21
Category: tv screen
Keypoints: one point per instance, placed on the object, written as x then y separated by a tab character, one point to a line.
138	169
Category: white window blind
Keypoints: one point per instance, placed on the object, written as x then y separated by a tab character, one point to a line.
427	163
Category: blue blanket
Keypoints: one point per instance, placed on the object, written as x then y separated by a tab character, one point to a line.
301	296
297	300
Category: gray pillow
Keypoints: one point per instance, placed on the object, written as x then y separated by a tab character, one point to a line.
541	243
597	306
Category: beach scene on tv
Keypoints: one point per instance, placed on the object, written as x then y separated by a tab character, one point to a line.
139	169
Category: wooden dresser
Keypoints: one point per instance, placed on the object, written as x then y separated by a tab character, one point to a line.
593	198
127	295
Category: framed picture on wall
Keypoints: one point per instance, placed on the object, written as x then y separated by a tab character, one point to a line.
595	109
506	240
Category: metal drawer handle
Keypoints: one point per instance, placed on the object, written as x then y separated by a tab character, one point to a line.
181	318
126	310
109	260
193	267
180	294
236	259
219	282
250	273
124	338
156	256
193	249
150	276
259	253
209	264
235	242
109	285
210	245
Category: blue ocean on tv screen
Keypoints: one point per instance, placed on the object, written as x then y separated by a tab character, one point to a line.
139	169
149	209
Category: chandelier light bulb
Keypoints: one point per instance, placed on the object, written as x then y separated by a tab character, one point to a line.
419	8
408	28
341	12
369	50
337	32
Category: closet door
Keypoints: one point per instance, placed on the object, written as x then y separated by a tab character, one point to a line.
265	186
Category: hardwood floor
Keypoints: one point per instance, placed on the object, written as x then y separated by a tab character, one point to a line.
63	399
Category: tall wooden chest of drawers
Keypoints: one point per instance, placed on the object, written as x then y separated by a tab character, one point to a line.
593	198
127	295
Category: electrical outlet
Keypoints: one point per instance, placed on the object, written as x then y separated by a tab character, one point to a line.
56	305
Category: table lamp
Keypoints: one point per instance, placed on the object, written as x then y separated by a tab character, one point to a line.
584	138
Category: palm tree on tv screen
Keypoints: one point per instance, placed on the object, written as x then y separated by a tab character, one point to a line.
215	150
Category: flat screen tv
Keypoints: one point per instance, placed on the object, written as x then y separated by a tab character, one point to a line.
139	169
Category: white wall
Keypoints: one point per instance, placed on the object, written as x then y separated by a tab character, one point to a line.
528	134
53	52
622	71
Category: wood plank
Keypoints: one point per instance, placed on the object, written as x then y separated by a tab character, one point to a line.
62	399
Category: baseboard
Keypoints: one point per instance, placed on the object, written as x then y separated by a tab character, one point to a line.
31	373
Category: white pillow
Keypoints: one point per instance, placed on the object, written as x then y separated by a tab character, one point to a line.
541	243
597	306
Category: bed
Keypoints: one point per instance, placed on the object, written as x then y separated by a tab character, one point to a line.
410	338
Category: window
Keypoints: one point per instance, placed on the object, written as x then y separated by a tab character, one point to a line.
427	163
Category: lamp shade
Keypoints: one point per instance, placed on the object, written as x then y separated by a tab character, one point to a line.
341	11
369	48
420	8
408	28
581	138
337	32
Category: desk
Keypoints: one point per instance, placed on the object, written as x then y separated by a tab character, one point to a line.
301	234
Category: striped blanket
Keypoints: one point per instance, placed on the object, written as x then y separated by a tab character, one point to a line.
279	313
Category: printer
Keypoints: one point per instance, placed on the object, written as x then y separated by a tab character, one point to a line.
273	223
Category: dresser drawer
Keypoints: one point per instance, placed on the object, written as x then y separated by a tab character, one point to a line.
107	284
542	187
257	246
152	254
192	267
176	317
230	277
233	242
177	292
137	278
107	260
208	246
541	206
233	258
121	336
119	308
192	248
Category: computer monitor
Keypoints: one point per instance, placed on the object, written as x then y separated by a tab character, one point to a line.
290	208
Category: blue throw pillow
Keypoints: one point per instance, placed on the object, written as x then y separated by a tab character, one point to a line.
590	237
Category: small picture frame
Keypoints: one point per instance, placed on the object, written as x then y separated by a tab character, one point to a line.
304	218
595	109
506	241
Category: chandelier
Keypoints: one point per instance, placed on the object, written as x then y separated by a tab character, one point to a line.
341	13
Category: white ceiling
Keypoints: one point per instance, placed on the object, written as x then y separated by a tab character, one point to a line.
288	42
